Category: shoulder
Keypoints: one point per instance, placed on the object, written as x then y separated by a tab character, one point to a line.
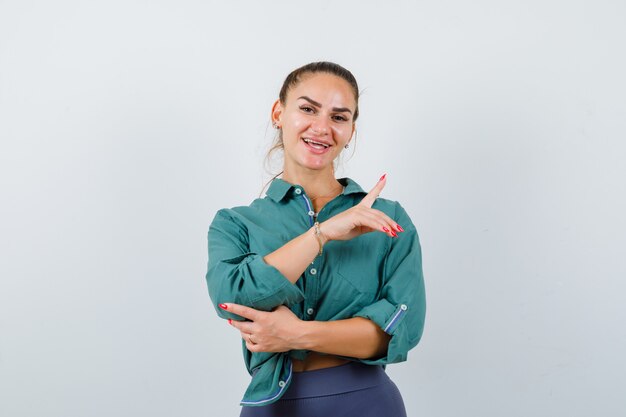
242	213
387	205
233	222
390	207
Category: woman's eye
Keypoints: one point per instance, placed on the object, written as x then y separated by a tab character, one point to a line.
341	118
306	109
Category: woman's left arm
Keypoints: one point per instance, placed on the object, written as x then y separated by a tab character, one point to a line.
357	337
281	330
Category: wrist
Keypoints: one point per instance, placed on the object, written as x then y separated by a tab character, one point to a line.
319	236
306	336
323	236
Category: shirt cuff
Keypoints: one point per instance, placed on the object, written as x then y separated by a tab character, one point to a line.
390	318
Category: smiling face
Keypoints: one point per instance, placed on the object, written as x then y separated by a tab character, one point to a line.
316	121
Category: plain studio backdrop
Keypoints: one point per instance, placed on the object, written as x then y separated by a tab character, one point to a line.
125	125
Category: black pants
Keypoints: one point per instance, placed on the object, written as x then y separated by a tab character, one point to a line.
350	390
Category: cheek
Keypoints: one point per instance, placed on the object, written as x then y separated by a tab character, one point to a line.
293	130
299	124
343	132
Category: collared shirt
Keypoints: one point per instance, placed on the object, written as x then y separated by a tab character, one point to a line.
372	276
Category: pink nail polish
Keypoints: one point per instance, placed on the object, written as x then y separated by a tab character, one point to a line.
394	234
224	306
400	229
385	230
382	178
230	321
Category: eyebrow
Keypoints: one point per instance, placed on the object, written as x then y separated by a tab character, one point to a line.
315	103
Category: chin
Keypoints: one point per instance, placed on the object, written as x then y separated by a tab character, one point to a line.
317	164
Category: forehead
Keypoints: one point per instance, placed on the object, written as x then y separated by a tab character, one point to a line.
327	89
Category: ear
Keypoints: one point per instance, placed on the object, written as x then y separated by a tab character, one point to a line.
277	111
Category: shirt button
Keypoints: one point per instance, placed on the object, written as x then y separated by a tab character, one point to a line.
310	311
403	307
298	191
311	213
281	383
313	271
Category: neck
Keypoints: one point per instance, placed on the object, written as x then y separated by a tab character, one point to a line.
314	182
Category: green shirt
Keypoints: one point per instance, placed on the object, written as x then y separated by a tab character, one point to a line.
372	276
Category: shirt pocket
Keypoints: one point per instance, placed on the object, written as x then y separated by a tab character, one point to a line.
359	270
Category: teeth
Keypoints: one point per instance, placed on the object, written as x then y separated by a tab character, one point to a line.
315	143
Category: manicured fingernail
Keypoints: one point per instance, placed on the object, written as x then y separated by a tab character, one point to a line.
382	178
400	229
230	321
394	234
385	229
224	306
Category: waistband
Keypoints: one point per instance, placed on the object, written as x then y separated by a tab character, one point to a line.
352	376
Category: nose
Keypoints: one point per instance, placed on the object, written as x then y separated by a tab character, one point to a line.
320	126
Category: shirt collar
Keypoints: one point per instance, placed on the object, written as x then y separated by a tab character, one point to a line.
280	188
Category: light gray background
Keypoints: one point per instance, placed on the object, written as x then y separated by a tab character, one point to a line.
125	125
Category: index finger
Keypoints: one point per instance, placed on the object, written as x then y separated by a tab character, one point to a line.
243	311
369	199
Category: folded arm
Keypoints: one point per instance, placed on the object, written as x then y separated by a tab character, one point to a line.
382	332
281	331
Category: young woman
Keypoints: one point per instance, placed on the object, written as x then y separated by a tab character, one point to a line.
323	280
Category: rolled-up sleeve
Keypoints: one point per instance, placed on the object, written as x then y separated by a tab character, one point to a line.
236	275
401	309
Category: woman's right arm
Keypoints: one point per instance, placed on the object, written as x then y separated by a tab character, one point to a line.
293	258
239	276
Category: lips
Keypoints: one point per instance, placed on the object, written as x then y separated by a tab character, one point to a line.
316	143
316	147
